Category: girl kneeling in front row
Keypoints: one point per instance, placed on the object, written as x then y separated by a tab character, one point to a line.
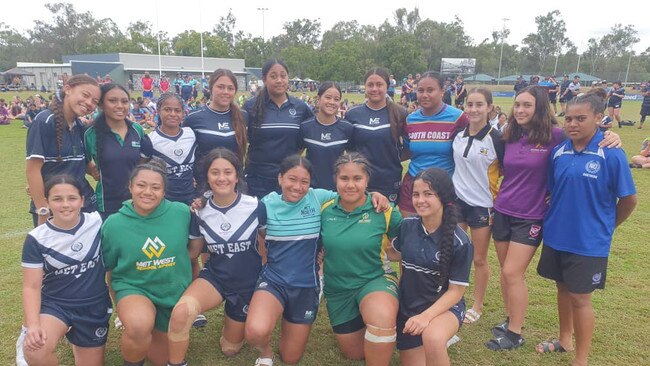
436	256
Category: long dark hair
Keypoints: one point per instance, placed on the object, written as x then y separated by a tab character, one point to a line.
238	121
440	182
101	127
541	124
257	115
396	114
56	106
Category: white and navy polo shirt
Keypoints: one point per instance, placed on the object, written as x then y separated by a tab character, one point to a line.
213	129
585	187
478	161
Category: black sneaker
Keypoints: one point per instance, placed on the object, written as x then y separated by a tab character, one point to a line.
504	343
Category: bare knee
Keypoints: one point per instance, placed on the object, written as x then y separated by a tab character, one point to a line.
580	300
137	331
290	358
511	276
228	348
434	340
256	333
480	262
40	356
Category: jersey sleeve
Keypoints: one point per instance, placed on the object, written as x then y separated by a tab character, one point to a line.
261	215
499	146
394	223
109	252
146	147
396	243
461	261
620	175
195	232
32	256
90	143
35	140
461	123
323	195
550	176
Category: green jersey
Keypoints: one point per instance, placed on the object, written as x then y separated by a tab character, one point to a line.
355	244
148	255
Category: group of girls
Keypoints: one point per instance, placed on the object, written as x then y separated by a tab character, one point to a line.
456	158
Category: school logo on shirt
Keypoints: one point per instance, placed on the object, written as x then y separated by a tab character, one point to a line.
225	226
534	231
374	121
437	256
223	126
135	144
178	152
592	168
326	136
77	247
365	218
153	247
596	278
483	151
307	211
292	112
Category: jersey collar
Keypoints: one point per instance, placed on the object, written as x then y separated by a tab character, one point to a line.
592	146
367	205
481	134
71	231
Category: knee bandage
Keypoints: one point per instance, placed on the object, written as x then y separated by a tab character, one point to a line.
229	348
380	335
193	309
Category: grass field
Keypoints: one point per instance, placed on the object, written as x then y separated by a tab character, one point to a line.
622	309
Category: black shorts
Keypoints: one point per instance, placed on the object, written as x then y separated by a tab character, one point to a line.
566	98
509	228
475	217
645	110
236	302
581	274
552	98
406	341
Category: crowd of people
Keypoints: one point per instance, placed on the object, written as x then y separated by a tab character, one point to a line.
267	207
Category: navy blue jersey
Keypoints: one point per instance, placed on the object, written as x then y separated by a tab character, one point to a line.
186	88
646	98
118	158
324	144
230	234
213	129
420	250
614	99
277	137
178	152
41	144
372	138
73	270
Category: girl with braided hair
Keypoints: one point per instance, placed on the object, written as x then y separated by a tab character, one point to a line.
436	256
116	145
55	144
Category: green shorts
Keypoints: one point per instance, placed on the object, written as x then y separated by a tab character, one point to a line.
343	306
163	313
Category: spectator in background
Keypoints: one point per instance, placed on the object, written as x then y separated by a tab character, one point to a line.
163	85
391	86
147	85
565	95
461	93
520	84
574	87
616	101
4	113
645	106
448	90
643	159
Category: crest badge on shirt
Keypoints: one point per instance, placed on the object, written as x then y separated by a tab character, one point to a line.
292	112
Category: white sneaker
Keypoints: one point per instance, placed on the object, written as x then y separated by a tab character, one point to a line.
20	356
118	323
453	340
264	361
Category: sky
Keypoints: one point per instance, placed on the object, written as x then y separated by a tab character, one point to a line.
480	20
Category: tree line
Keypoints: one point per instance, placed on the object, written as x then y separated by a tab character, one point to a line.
405	43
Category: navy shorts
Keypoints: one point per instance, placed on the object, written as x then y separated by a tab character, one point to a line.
147	94
88	325
261	186
615	105
552	98
475	217
509	228
406	341
580	274
300	304
236	302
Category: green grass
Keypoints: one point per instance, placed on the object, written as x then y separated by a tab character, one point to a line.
622	309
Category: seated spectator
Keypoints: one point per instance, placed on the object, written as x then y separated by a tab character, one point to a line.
142	116
643	159
4	113
17	110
